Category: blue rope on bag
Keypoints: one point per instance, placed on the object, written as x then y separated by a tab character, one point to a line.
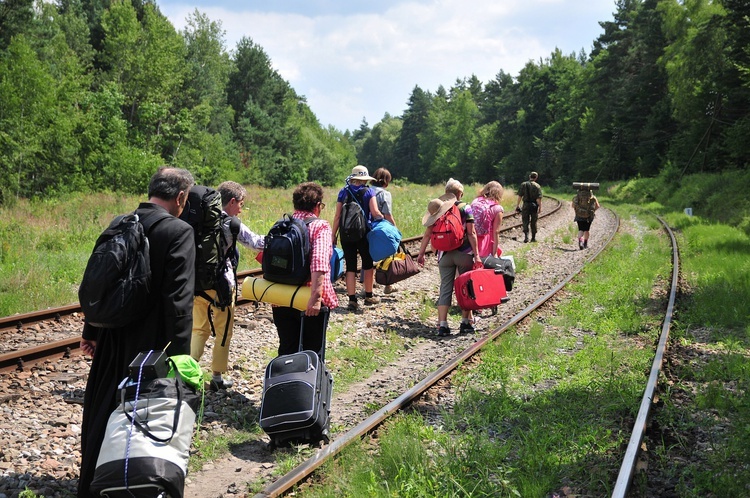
132	420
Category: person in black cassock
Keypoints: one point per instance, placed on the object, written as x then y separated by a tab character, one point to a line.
170	320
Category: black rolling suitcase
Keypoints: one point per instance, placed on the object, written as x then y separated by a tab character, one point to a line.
296	402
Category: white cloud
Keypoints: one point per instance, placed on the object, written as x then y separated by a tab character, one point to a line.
350	66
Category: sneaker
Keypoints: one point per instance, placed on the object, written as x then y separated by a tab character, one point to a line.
372	300
216	385
390	289
443	331
352	306
466	328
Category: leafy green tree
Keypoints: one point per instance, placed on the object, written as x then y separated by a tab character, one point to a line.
203	139
406	161
694	62
379	147
262	102
16	17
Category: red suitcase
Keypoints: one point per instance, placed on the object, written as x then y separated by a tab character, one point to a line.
478	289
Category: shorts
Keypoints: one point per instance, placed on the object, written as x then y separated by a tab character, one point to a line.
584	224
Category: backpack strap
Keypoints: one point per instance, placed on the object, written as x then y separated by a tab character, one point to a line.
359	202
149	222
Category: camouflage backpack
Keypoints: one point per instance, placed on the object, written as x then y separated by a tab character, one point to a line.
584	204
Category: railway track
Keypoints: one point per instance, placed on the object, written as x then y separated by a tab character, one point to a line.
299	474
353	431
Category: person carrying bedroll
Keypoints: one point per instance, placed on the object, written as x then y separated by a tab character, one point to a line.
530	193
213	216
584	205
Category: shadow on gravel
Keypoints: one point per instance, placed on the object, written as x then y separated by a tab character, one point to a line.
230	407
566	249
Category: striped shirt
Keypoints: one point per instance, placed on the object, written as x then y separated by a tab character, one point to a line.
322	249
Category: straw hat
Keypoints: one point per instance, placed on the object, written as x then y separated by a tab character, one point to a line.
437	207
360	173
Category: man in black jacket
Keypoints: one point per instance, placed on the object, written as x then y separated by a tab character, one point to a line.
168	324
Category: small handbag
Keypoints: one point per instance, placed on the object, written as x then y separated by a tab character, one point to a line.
396	268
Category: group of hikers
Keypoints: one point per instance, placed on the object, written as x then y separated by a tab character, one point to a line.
186	305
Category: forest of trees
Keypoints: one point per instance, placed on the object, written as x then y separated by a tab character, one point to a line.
666	89
94	94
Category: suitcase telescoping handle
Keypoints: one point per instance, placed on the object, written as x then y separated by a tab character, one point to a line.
325	311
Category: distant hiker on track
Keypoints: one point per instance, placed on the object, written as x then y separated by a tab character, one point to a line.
530	193
584	205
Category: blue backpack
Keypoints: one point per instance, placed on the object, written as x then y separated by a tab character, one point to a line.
286	255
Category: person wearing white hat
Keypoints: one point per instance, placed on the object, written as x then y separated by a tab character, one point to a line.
463	259
356	187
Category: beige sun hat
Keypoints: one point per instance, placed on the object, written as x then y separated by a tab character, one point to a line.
360	173
437	207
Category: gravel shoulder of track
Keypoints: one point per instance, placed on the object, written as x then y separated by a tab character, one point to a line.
40	431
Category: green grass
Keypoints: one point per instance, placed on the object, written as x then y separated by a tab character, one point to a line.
356	361
712	326
544	407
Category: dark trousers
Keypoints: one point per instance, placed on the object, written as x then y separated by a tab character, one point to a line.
529	217
288	322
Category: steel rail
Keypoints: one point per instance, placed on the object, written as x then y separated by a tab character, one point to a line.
306	468
17	359
627	470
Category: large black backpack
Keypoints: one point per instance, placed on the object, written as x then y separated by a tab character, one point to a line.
286	252
230	229
116	285
203	213
353	226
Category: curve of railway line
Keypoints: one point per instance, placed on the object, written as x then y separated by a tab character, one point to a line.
256	332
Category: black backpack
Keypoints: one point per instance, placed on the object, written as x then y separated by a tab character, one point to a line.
353	226
203	213
230	228
116	285
215	243
286	252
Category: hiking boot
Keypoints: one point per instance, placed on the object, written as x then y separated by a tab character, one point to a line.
443	331
372	300
533	238
466	328
580	244
585	244
390	289
352	306
525	239
216	385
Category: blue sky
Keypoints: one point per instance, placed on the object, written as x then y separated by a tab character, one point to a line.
353	59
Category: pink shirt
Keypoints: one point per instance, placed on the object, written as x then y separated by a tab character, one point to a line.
320	240
484	242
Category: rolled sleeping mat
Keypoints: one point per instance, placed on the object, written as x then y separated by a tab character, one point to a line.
292	296
585	186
